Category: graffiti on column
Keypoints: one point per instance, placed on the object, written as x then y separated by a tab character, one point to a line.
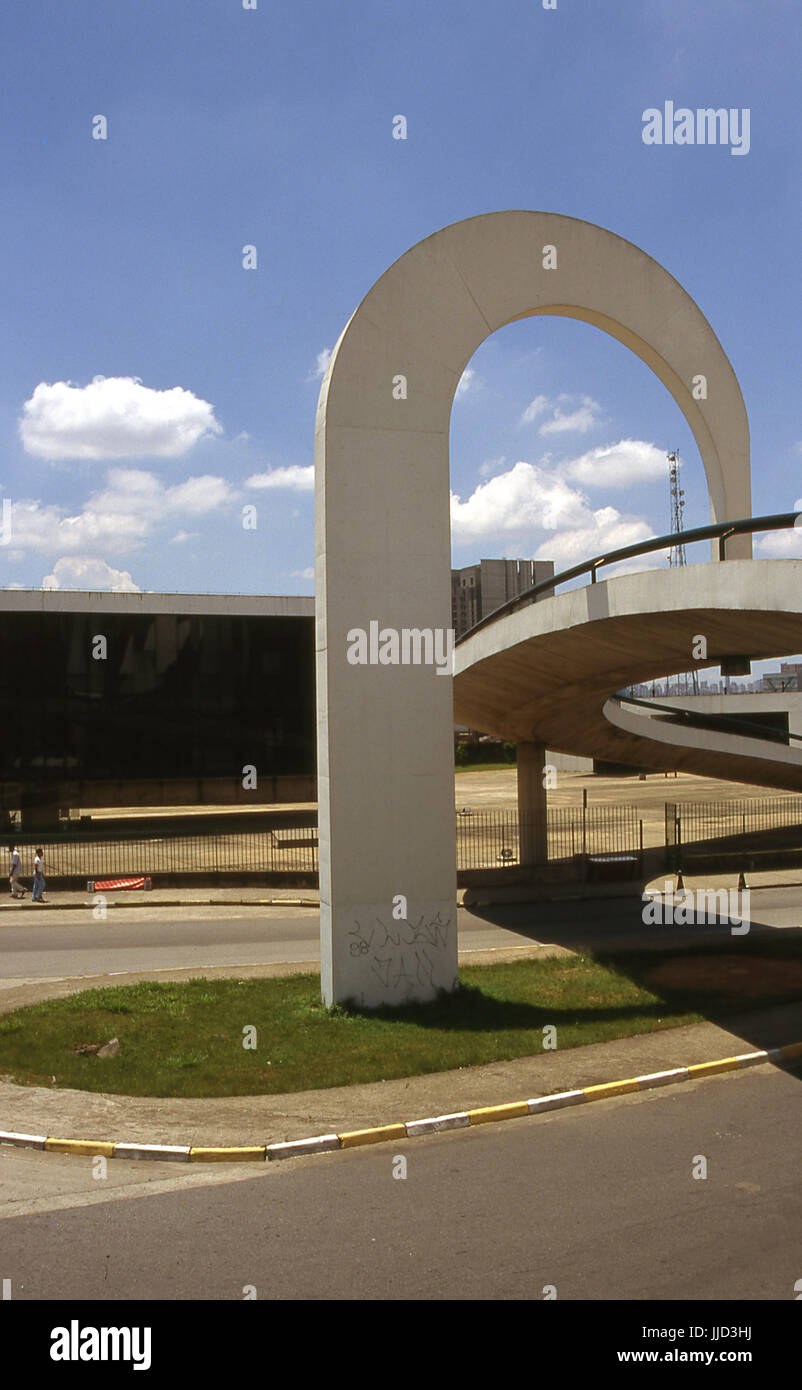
404	953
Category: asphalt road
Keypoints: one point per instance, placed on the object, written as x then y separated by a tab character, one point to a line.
36	944
599	1202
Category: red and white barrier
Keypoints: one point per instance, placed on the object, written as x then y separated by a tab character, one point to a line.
102	885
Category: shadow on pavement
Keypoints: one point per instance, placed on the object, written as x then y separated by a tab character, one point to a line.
747	981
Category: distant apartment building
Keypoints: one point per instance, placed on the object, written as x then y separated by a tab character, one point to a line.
478	590
789	677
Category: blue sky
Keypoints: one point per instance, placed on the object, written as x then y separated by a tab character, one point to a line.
123	260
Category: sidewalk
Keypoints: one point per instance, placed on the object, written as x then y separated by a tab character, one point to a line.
310	897
71	900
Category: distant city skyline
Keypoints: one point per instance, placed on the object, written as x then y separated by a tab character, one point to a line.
771	680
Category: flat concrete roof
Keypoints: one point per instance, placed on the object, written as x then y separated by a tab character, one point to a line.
100	601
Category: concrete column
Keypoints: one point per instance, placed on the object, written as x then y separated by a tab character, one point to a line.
532	804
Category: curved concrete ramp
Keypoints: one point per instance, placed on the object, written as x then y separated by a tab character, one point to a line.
547	673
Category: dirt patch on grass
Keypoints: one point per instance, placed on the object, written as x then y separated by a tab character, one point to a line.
752	977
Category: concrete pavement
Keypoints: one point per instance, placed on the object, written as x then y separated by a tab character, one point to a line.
45	953
603	1203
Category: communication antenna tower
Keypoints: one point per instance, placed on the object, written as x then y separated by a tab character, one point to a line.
677	554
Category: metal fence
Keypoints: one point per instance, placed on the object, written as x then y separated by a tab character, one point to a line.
490	839
691	822
266	851
485	839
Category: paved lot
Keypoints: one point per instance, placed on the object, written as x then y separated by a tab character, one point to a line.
497	790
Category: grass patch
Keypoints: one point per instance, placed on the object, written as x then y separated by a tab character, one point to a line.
187	1039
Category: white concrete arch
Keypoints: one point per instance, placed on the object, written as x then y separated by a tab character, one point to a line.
385	788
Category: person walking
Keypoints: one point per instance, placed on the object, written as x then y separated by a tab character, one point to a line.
17	889
38	878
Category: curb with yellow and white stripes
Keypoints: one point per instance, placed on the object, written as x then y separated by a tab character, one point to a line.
410	1129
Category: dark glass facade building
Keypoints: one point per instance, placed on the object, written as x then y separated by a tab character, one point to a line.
120	693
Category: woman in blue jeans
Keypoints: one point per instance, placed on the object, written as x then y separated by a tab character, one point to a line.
38	878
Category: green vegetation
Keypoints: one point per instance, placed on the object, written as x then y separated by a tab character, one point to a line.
484	757
187	1039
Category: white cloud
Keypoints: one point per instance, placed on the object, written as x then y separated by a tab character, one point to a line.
85	572
779	545
491	466
119	517
522	499
534	408
112	418
46	530
617	465
526	501
296	477
181	536
197	496
583	417
308	573
604	530
466	381
321	363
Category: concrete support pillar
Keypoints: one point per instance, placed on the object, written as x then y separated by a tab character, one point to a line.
532	804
